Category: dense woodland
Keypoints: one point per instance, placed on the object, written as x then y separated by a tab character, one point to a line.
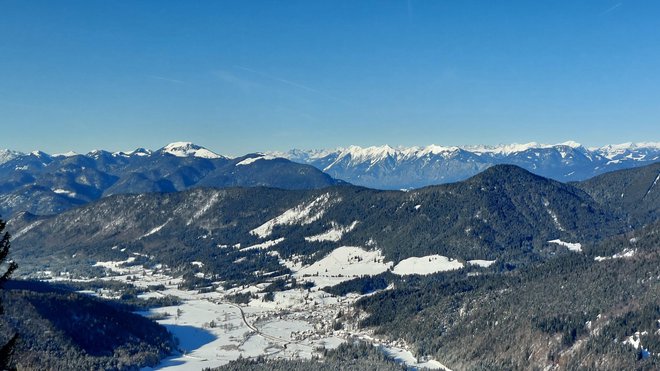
571	311
64	330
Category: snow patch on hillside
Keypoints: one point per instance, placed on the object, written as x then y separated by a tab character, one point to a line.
115	266
342	264
263	245
251	160
626	253
426	265
207	206
301	215
335	234
407	358
482	263
27	229
60	191
652	185
577	247
636	341
553	215
156	229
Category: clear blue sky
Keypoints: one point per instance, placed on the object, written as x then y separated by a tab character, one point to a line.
241	76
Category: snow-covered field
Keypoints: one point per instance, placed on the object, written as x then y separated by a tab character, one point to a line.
626	253
573	246
342	264
426	265
482	263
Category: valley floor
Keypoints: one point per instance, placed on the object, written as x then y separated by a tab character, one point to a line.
297	324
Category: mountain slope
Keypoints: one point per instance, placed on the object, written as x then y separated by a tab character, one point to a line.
64	330
573	312
505	213
635	192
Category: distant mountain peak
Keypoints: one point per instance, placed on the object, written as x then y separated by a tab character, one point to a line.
188	149
374	152
571	144
8	155
40	154
66	154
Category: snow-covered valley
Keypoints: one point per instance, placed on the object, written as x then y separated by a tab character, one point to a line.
294	324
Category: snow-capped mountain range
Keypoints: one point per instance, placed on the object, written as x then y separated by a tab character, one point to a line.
386	167
46	184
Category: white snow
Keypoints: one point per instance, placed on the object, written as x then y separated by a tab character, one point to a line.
187	149
342	264
576	246
406	357
335	234
636	341
373	155
426	265
302	214
482	263
155	230
264	245
140	152
652	185
613	150
66	154
115	265
354	155
61	191
552	214
508	149
215	197
7	155
626	253
251	160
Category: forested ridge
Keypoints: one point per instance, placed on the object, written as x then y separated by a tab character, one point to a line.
60	329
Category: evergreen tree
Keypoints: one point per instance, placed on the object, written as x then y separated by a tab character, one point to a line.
7	349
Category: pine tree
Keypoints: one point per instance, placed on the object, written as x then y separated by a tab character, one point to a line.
7	349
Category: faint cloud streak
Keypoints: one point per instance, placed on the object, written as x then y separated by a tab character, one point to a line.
232	79
611	9
289	83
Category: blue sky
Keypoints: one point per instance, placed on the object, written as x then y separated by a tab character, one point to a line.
242	76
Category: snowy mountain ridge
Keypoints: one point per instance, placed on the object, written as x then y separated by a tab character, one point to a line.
376	152
177	149
388	167
45	184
